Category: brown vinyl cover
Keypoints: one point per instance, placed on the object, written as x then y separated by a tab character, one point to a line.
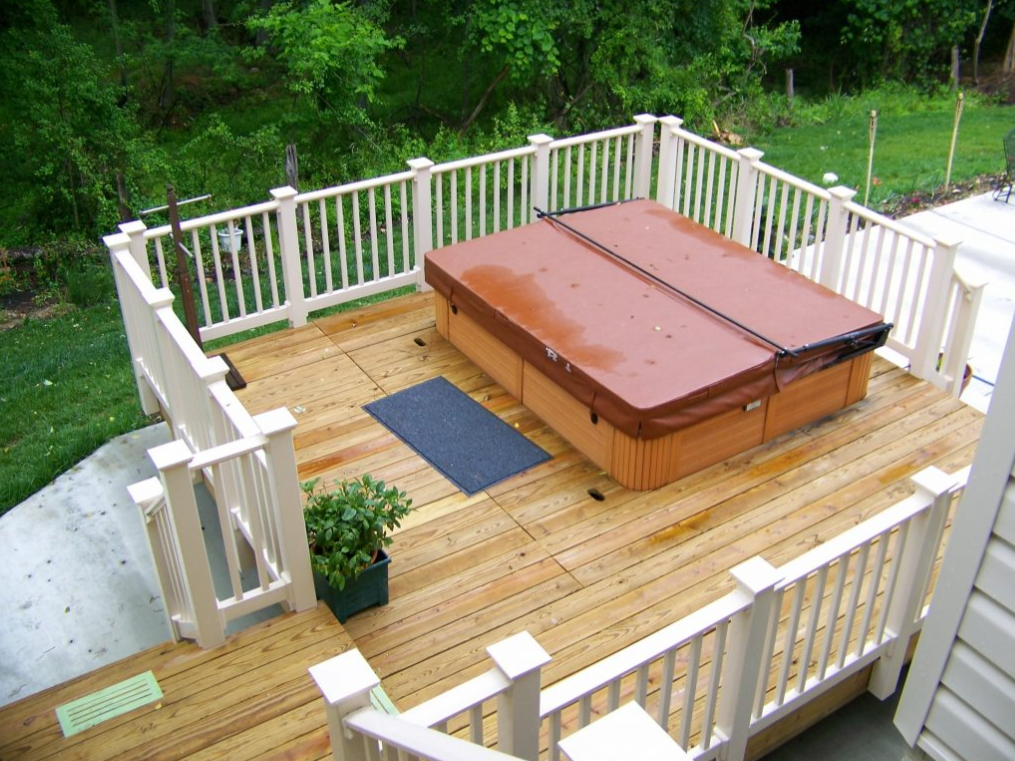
644	358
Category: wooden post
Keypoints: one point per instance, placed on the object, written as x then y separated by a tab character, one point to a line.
668	144
872	131
643	155
747	187
539	180
955	136
289	245
916	564
292	167
756	580
422	216
173	462
835	237
930	333
183	269
284	487
520	658
345	682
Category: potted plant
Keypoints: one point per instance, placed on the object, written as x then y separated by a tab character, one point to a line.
348	529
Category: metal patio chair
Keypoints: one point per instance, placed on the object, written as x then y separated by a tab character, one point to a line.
1004	185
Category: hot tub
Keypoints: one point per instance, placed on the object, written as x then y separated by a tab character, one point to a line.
653	344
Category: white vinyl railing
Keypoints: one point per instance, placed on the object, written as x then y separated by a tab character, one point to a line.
248	465
297	253
712	679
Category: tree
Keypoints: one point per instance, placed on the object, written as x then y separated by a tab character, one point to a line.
909	40
63	134
330	53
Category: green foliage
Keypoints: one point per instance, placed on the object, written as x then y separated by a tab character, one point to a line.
346	526
519	33
908	40
88	282
330	52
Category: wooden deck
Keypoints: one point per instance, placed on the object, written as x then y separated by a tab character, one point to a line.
537	552
250	698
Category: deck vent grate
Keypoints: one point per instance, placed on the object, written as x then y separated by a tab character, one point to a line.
108	703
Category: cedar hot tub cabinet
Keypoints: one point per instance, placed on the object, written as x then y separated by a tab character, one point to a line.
654	345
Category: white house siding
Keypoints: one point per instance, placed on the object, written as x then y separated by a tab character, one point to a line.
959	699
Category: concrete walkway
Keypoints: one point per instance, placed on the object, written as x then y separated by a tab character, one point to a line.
77	585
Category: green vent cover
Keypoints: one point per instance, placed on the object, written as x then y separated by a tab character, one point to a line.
108	703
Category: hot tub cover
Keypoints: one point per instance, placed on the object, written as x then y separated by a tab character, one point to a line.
637	353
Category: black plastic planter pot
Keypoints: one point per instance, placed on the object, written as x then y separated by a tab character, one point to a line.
369	589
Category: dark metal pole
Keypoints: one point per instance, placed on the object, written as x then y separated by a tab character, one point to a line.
182	270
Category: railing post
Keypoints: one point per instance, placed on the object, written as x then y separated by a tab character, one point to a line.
173	462
756	580
146	495
929	338
835	237
967	307
422	215
117	244
916	563
540	177
289	245
520	658
747	188
138	246
643	155
345	682
284	486
668	143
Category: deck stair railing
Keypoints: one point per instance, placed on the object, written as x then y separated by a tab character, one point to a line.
247	464
713	679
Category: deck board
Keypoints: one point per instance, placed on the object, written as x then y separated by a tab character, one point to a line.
242	700
535	552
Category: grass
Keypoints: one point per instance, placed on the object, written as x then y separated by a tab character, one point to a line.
67	389
911	147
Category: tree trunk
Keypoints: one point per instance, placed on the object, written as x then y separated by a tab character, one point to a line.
123	198
208	14
262	36
420	44
115	22
979	40
486	96
1009	54
955	67
166	98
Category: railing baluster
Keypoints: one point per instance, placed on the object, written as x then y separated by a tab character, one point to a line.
580	184
404	206
833	613
697	185
254	273
322	211
856	585
482	200
811	632
714	680
219	279
555	159
202	280
873	585
511	194
375	263
690	689
357	237
468	203
308	242
439	209
454	206
343	254
389	232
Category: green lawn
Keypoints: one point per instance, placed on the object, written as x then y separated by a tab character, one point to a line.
66	389
911	149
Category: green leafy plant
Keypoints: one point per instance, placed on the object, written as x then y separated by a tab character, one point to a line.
349	524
